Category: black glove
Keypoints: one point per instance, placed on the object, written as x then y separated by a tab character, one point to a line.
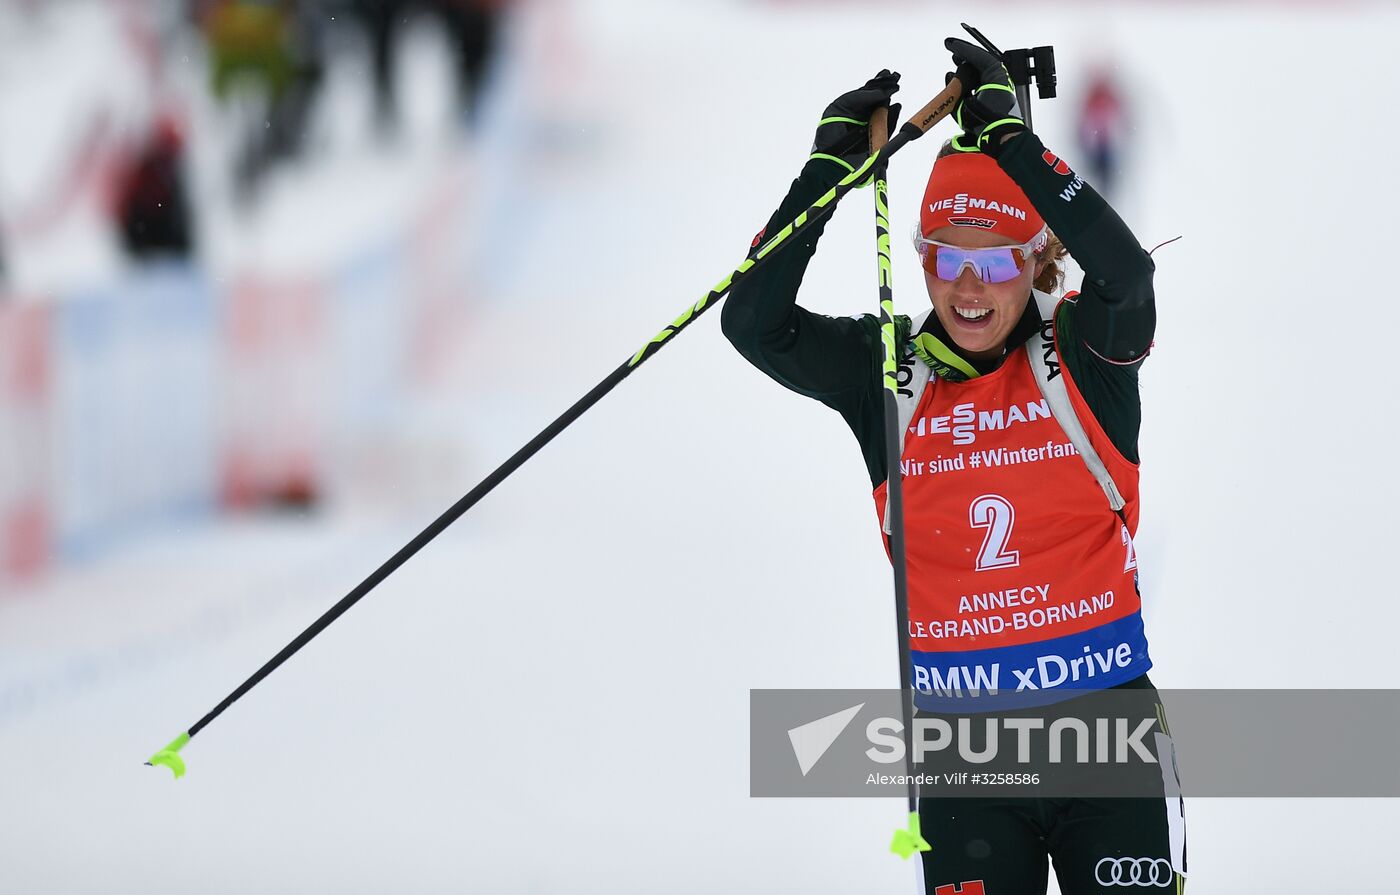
843	134
988	111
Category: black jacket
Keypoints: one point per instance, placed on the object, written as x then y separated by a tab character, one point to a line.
1103	335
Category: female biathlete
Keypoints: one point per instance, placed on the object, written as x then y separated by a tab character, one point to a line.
1022	578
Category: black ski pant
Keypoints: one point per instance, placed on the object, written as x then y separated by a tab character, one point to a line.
1004	846
1004	843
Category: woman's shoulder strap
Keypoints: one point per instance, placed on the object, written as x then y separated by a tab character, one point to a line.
1045	364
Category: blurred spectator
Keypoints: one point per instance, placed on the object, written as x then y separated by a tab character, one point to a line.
473	26
379	18
152	208
248	41
1103	130
276	50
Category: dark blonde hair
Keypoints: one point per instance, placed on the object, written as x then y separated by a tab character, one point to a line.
1052	277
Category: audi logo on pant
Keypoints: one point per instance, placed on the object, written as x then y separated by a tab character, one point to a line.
1134	872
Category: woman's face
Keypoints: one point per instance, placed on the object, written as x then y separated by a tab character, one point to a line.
959	303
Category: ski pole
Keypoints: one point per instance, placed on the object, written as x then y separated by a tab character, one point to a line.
1035	65
907	839
923	120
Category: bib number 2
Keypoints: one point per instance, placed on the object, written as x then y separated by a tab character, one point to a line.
996	514
1131	562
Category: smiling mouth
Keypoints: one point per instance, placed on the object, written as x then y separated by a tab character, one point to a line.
975	318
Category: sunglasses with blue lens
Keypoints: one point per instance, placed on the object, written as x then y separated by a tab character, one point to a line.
995	264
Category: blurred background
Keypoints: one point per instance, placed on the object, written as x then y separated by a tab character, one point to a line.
279	281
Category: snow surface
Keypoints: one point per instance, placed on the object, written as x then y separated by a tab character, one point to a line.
553	696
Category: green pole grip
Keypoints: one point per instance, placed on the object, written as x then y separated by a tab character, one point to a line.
908	840
170	756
